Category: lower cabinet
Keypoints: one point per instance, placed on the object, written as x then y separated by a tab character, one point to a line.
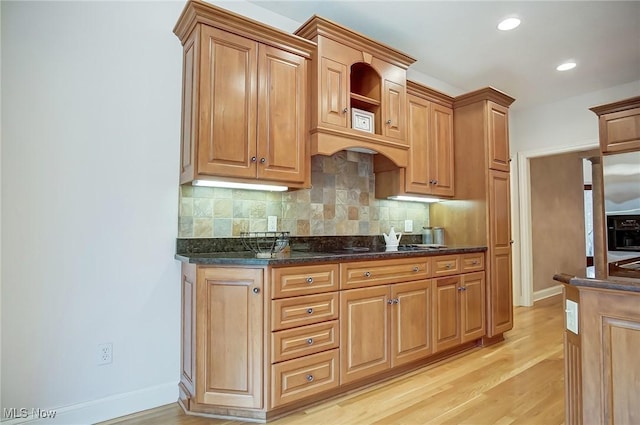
264	338
458	310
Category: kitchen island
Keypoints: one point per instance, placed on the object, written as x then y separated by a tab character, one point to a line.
264	337
602	342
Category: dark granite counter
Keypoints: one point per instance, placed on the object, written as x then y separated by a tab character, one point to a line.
307	257
619	285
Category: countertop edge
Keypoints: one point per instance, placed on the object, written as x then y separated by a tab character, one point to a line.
244	258
618	285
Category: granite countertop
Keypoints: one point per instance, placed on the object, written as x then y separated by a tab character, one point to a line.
306	257
619	285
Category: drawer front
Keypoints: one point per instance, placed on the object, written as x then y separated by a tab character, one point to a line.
291	312
296	379
381	272
298	342
304	280
445	265
472	262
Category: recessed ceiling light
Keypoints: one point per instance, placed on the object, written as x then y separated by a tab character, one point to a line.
566	66
508	24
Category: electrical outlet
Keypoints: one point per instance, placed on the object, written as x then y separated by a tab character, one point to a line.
408	225
105	353
272	223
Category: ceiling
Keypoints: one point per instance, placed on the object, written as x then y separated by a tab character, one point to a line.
457	42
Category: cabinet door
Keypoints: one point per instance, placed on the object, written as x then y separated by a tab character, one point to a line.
229	336
227	136
620	131
393	110
411	322
418	178
334	92
446	313
498	127
364	332
441	150
500	299
282	115
472	306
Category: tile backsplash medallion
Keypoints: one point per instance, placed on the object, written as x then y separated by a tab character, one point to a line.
341	202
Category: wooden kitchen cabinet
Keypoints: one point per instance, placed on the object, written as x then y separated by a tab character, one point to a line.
244	114
458	306
619	125
411	322
222	335
351	71
430	170
481	137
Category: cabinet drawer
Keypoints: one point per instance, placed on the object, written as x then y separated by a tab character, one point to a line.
292	343
380	272
303	377
445	265
304	280
472	262
291	312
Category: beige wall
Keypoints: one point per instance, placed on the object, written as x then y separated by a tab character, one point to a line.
557	218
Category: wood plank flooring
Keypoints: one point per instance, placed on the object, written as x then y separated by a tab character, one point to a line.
519	381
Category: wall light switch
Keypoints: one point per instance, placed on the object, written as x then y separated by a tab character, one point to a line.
272	223
408	225
571	309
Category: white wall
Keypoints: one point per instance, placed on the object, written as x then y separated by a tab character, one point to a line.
90	154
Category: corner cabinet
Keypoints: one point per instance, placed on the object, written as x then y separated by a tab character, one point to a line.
244	100
430	170
358	92
619	125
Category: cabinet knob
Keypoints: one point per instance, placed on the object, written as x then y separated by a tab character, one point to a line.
309	280
396	300
511	241
310	341
435	182
254	159
388	121
460	288
475	262
256	290
345	110
390	301
310	378
367	274
310	310
262	160
447	266
416	269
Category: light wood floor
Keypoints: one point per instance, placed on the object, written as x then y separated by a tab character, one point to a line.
519	381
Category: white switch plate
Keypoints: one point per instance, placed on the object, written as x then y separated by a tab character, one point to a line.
571	309
272	223
408	225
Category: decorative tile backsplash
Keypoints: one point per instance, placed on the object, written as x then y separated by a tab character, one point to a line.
341	202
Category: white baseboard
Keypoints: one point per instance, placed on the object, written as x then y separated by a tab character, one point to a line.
547	292
102	409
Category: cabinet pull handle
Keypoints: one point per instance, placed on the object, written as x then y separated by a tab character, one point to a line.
460	288
345	110
254	159
310	341
262	160
390	302
310	378
256	290
448	266
416	269
511	241
309	280
396	300
474	262
310	310
367	274
388	121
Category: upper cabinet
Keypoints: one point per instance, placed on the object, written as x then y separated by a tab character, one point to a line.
244	101
619	124
358	93
430	170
